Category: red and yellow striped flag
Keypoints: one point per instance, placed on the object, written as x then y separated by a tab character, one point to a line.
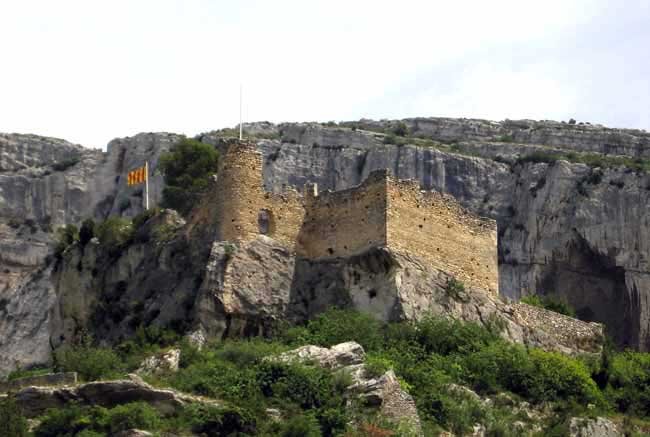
137	176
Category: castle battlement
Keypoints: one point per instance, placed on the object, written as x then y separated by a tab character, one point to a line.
380	212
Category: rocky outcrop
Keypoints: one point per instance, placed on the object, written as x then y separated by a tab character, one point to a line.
46	183
35	400
598	427
162	362
565	229
48	379
250	286
334	358
584	137
110	292
383	393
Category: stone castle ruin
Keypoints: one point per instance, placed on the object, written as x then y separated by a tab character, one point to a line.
380	212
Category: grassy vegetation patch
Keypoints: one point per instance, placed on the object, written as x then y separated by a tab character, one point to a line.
432	358
549	303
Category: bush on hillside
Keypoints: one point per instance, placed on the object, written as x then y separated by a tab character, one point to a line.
90	363
303	425
69	421
75	420
213	377
400	129
13	422
550	303
187	168
445	336
338	326
629	382
215	420
65	237
307	386
134	415
115	233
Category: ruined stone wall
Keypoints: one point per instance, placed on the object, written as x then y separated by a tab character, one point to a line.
379	212
435	228
244	209
347	222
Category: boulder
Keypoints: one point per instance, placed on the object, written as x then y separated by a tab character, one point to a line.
383	393
336	357
34	401
598	427
163	362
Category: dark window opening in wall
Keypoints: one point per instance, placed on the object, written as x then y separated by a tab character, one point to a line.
330	251
265	222
372	293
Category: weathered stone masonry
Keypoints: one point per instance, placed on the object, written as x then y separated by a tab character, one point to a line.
380	212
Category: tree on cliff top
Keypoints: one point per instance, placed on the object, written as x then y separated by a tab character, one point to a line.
187	168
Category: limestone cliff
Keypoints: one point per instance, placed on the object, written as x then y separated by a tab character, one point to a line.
46	183
564	228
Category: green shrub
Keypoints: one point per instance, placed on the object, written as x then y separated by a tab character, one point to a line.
536	374
187	168
458	414
394	140
400	129
212	420
550	303
304	425
447	336
248	352
164	232
190	354
65	237
218	379
306	386
115	233
90	363
338	326
137	415
74	420
333	421
13	422
70	421
629	383
499	366
377	365
554	376
144	216
455	289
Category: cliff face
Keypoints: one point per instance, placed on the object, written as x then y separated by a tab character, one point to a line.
46	183
564	228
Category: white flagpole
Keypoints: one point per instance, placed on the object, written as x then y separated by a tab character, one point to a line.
241	131
146	185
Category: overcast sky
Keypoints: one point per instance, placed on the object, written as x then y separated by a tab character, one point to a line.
90	70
